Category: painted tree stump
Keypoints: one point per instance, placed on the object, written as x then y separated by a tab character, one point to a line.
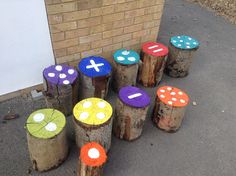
61	88
170	108
130	113
95	74
93	122
92	159
153	58
181	52
47	140
126	68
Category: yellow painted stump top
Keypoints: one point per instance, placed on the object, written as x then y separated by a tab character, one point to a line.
92	111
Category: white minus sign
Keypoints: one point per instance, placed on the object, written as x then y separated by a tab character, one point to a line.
158	50
134	95
154	46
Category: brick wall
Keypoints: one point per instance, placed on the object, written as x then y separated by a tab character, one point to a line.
81	28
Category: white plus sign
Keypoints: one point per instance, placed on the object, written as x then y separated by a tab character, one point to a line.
94	65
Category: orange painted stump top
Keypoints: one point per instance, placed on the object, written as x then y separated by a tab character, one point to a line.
155	49
93	154
172	96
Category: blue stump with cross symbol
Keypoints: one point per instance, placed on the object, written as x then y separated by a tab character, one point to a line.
95	74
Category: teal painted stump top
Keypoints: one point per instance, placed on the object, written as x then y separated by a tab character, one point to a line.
126	57
184	42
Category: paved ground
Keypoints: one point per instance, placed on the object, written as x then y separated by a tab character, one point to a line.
204	146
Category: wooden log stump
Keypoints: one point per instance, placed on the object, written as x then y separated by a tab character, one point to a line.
181	52
93	122
126	68
130	113
92	159
169	108
95	74
153	58
61	88
47	139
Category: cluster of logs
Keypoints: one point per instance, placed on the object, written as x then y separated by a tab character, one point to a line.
94	118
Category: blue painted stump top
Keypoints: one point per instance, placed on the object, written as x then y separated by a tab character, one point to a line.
184	42
134	97
60	74
94	66
126	57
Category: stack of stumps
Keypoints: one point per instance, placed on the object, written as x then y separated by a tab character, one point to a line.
82	91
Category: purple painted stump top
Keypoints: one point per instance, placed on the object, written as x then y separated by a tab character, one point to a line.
60	74
134	97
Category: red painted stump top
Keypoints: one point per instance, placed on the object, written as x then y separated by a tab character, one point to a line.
93	154
155	49
172	96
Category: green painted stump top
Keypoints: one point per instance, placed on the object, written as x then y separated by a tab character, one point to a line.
45	123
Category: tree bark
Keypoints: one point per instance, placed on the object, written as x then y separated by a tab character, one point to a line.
167	118
85	170
94	87
178	62
88	133
128	121
61	97
151	70
124	75
46	154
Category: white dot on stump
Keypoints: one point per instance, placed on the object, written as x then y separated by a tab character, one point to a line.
194	43
180	93
101	105
66	82
84	115
125	52
179	45
93	153
39	117
174	99
51	75
170	102
190	38
174	41
182	101
87	104
58	68
131	59
181	41
169	88
162	96
71	71
188	46
162	90
62	75
51	126
178	37
120	58
100	115
173	93
187	43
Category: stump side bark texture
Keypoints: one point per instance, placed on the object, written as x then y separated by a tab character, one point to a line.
61	97
46	154
88	133
124	75
178	62
94	87
151	70
85	170
168	118
47	138
128	121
